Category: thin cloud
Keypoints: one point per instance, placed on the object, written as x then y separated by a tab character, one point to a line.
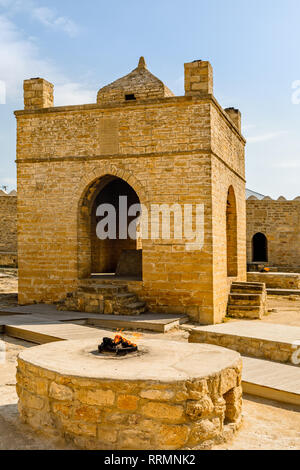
73	93
20	58
265	137
290	164
51	20
44	15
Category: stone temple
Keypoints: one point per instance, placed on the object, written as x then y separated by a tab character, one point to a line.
138	140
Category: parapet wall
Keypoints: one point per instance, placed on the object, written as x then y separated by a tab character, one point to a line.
279	221
8	228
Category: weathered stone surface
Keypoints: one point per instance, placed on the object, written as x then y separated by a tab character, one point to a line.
159	395
81	428
60	392
204	430
63	409
228	380
172	413
32	401
135	439
107	435
199	409
96	397
127	402
87	413
8	229
173	436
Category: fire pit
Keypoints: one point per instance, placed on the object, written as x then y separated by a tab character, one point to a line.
119	346
163	395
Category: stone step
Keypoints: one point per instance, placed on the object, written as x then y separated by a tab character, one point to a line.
244	311
135	308
271	291
270	341
103	289
247	289
271	380
148	321
48	314
127	297
247	283
245	299
103	298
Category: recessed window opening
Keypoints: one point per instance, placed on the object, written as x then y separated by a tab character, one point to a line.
130	97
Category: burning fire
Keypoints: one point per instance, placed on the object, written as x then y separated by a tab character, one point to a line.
119	339
118	345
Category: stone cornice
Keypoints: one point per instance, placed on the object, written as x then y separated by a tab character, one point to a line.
170	101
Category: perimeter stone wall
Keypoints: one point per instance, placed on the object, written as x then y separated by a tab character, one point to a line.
279	221
8	229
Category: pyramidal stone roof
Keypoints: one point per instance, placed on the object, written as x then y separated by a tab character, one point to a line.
140	84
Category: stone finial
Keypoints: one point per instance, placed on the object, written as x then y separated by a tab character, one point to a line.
235	116
198	78
142	63
38	94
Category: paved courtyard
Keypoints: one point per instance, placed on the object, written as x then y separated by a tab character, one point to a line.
267	425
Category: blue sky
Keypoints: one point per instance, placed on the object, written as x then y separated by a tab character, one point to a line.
80	46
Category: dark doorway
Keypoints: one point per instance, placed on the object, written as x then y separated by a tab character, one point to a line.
259	248
106	253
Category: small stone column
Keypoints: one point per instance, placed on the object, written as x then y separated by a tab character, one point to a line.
235	116
198	78
38	93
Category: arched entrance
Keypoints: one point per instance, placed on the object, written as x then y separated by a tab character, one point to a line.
109	242
259	248
231	234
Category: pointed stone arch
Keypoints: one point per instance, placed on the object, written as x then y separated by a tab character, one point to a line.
90	186
231	233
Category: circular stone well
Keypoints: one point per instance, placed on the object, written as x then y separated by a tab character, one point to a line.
170	395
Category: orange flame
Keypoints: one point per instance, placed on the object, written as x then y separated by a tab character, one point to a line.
119	338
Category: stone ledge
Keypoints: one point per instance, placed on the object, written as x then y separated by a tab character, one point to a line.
276	279
251	338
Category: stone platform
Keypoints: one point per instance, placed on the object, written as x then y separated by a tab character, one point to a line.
269	341
166	396
276	280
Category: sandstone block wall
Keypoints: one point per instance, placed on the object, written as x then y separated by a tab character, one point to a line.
276	280
8	229
279	221
254	347
124	415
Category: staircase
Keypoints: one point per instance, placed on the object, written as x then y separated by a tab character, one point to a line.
103	298
247	300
